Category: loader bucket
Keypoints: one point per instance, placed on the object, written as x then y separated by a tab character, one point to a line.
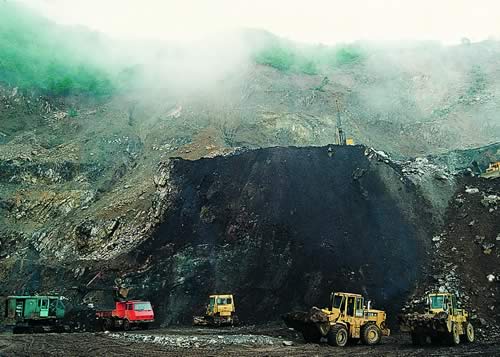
309	323
423	322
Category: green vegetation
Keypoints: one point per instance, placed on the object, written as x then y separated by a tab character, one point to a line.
33	55
72	113
289	57
36	54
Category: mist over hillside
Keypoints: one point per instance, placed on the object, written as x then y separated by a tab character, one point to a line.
192	166
257	89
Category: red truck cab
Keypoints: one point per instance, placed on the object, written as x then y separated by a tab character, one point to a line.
127	314
134	311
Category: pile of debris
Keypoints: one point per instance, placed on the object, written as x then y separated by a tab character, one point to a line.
420	167
466	255
190	341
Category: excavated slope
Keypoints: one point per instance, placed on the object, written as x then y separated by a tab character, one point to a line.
281	228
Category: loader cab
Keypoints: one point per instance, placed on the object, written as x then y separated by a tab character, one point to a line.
351	305
442	302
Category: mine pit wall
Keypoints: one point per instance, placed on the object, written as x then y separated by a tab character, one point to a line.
283	227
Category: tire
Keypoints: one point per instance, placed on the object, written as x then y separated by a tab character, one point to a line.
107	325
417	339
371	335
454	337
337	336
469	335
311	336
126	325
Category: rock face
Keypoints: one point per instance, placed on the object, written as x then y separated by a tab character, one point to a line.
283	227
280	228
466	256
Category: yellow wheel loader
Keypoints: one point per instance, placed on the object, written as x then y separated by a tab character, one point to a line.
220	311
441	321
346	321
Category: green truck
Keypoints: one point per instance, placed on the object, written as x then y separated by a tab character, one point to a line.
35	313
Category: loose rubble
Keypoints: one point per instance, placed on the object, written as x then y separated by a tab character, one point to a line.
198	341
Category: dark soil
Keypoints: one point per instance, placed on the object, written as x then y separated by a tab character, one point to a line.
89	344
283	227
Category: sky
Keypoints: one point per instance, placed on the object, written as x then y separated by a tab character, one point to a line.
310	21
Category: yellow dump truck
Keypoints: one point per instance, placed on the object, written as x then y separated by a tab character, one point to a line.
441	321
220	311
346	320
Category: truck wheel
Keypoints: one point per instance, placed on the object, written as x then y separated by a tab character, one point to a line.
126	325
468	336
371	334
454	336
417	339
107	324
311	336
337	336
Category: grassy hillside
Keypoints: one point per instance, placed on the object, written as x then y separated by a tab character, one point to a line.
308	59
36	54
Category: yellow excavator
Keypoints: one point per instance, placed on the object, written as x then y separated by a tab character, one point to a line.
220	311
346	321
493	171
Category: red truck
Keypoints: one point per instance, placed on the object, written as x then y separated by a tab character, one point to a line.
127	314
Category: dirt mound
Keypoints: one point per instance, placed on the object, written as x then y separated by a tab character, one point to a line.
467	252
283	227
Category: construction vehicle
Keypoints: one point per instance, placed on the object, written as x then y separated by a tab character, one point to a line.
220	311
442	321
126	314
346	320
340	138
35	313
492	171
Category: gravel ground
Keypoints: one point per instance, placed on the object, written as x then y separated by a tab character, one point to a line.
182	342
